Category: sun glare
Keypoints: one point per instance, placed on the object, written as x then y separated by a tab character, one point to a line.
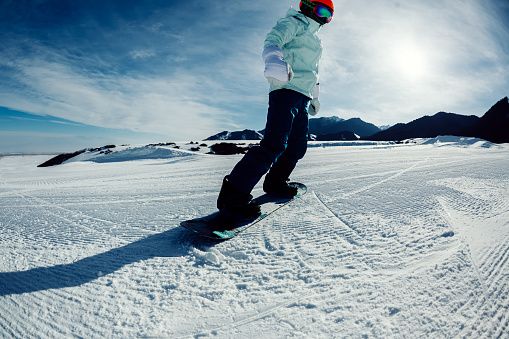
410	61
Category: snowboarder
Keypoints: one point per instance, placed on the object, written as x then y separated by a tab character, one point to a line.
291	53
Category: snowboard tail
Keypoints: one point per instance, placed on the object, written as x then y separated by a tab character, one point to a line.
222	226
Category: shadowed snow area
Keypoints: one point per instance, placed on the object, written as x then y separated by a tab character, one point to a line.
399	241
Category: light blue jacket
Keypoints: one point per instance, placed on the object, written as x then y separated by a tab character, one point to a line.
295	34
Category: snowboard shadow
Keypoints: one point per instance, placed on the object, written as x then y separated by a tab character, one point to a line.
176	242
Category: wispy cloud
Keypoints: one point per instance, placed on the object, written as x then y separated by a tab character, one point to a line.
141	54
184	81
178	106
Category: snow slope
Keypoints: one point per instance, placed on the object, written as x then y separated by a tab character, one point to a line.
399	241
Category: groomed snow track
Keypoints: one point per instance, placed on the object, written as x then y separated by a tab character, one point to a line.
399	242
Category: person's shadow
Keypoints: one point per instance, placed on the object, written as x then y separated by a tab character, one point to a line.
175	242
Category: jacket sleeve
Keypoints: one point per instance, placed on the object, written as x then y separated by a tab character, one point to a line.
285	30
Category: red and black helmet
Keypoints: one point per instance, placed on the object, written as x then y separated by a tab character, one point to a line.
321	11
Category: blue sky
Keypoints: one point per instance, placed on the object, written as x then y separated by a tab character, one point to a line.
184	70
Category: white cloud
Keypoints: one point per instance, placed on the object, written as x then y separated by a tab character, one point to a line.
141	54
180	106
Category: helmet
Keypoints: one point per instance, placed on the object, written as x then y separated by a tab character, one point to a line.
320	11
327	3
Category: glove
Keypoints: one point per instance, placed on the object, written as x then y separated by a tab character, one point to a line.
277	71
314	106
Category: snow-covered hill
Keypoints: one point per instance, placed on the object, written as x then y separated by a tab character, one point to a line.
392	241
238	135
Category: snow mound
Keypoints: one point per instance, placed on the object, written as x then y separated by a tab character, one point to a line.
130	154
449	140
324	144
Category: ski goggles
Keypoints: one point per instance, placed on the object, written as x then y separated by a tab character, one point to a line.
323	12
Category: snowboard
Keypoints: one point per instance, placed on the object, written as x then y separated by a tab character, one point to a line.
222	225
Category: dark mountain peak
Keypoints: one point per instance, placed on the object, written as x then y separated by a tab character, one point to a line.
332	125
442	114
355	120
499	110
494	125
330	119
325	121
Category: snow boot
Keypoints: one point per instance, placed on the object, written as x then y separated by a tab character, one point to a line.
282	190
277	180
237	202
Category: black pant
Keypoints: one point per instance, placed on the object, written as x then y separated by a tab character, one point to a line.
286	135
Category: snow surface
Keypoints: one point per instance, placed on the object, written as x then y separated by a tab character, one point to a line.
391	241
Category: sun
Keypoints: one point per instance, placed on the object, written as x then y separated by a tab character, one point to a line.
410	62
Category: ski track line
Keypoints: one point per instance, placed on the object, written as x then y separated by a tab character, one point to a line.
244	320
487	301
120	201
351	232
390	172
71	222
16	192
417	264
401	172
368	187
335	234
42	203
448	218
59	236
490	258
498	287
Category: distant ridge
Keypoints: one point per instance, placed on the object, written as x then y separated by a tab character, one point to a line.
427	127
493	126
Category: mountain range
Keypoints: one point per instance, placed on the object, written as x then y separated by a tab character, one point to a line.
427	127
492	126
324	128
